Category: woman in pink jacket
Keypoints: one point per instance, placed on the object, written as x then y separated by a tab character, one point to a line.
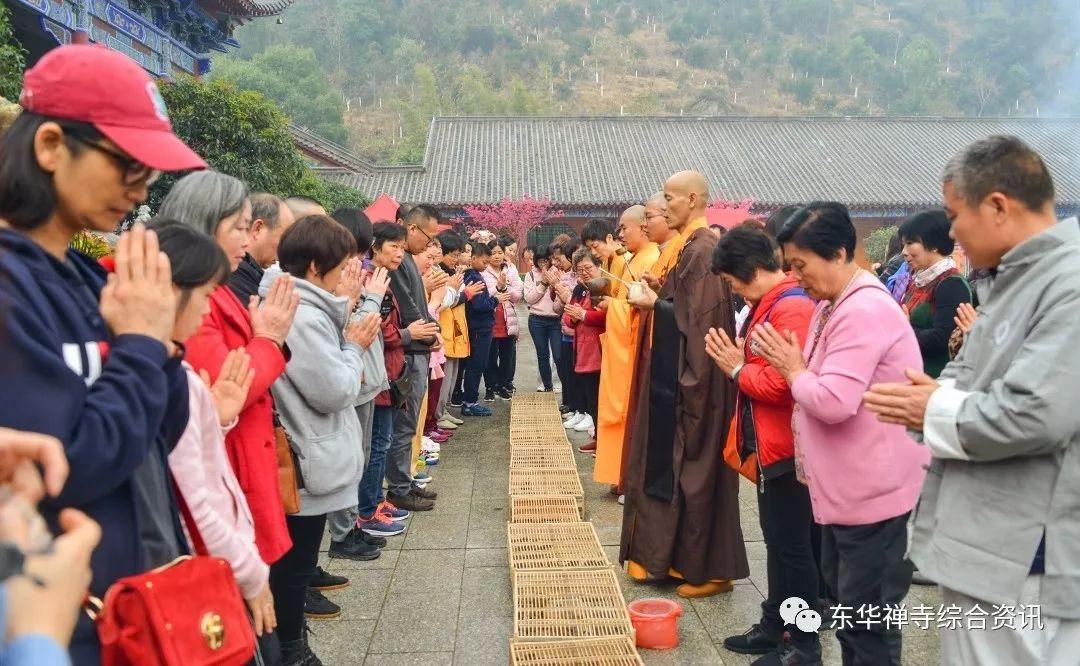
502	279
199	462
864	476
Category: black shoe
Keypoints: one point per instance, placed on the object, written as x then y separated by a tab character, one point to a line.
425	492
756	640
489	396
354	548
789	654
503	394
318	607
456	402
293	653
410	502
917	578
309	656
563	409
373	540
324	582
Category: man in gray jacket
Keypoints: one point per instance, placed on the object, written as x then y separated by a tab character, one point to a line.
998	521
411	290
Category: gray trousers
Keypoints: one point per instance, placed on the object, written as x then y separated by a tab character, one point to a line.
451	369
399	457
341	522
1030	637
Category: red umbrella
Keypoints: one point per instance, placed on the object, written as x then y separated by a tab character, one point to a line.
383	209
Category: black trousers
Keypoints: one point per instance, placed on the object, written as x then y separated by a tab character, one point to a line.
499	373
786	522
864	565
571	394
589	385
290	575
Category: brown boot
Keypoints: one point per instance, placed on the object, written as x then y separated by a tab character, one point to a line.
688	591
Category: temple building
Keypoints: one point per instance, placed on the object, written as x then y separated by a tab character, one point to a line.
883	169
166	37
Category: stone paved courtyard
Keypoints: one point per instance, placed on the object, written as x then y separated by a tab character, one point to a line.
440	593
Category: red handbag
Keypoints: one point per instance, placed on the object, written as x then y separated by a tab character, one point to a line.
188	612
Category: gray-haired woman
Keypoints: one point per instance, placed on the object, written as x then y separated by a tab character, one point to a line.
217	205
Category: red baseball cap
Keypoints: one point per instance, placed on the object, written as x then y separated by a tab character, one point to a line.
107	89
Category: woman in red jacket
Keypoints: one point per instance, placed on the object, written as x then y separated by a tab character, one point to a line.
585	313
217	205
748	259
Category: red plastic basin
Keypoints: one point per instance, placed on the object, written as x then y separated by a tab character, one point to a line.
656	623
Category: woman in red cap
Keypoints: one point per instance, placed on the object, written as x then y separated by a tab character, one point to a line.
82	358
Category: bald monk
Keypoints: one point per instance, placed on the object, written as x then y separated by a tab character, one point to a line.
619	344
667	239
599	236
682	510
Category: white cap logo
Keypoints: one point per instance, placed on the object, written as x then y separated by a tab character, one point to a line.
157	100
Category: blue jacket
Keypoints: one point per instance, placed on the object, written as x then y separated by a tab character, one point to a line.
480	309
112	401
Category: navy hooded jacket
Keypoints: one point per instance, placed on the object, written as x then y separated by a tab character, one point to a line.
109	400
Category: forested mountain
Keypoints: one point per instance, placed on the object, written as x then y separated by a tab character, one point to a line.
373	72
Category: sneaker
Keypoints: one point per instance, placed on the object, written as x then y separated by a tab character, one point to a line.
353	548
503	394
318	607
446	424
453	419
456	403
756	640
540	388
321	580
557	388
393	513
789	654
424	492
429	445
377	525
422	479
622	500
410	502
584	425
574	419
489	396
373	540
588	448
429	458
475	409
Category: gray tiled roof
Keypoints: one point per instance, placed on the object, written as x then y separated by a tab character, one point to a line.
867	162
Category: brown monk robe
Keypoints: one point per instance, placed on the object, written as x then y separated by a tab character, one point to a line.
682	514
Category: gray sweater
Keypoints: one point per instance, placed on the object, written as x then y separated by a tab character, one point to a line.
316	397
1004	430
374	380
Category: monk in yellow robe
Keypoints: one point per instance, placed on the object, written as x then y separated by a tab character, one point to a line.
618	343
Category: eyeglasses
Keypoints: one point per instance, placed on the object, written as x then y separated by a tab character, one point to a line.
135	172
429	237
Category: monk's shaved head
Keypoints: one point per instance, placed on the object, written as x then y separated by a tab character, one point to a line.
687	196
632	228
656	224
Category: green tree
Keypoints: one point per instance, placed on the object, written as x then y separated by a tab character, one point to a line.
292	77
243	134
12	59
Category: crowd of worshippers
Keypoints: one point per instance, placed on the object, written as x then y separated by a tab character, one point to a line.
906	423
239	377
245	374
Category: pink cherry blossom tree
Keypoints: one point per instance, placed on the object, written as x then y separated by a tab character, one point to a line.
730	213
513	217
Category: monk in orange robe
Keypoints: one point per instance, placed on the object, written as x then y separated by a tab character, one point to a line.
619	343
